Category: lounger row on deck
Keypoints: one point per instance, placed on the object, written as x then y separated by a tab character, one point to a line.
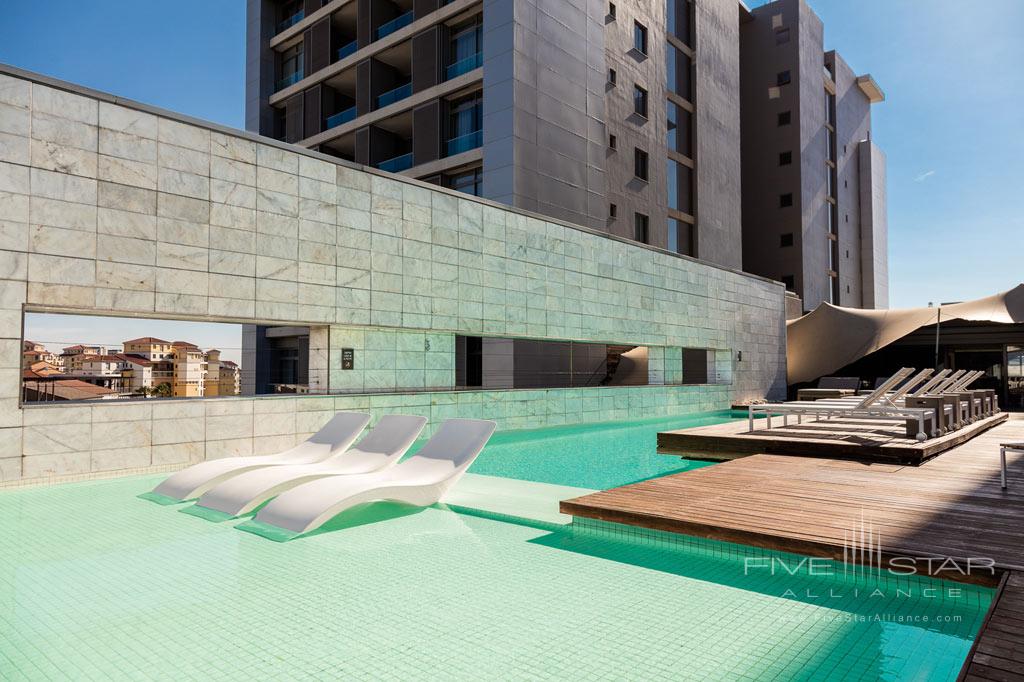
936	403
318	479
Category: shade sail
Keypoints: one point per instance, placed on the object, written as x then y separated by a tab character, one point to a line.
831	337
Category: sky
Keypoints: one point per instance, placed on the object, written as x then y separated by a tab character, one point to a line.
950	126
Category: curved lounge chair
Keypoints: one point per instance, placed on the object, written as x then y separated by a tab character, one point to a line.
381	448
421	480
335	436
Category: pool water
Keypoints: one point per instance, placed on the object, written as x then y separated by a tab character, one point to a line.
98	584
596	456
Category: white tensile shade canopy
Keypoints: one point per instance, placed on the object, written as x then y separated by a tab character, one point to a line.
831	337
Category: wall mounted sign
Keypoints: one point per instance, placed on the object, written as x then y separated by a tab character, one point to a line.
348	358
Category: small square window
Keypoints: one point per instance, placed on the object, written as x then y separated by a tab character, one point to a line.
639	37
782	78
639	101
612	76
785	200
613	210
784	118
847	253
611	10
640	163
786	239
613	142
846	217
847	288
641	232
782	36
785	158
789	282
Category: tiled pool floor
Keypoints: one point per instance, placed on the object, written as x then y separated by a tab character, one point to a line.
97	584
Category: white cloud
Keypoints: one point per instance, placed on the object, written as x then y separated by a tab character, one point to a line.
924	176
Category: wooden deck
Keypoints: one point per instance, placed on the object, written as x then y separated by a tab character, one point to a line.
950	506
998	651
853	439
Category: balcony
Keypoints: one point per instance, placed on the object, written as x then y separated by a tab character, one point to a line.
396	164
390	27
392	96
288	80
463	143
291	21
341	117
463	66
346	50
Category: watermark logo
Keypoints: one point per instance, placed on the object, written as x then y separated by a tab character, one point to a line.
864	559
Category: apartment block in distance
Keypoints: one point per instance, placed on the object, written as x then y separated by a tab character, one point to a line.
814	201
619	116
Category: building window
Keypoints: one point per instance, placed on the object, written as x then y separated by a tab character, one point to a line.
291	66
682	237
641	228
465	49
612	76
782	78
679	67
639	101
680	20
640	164
789	282
611	10
469	182
494	362
680	130
782	36
785	200
786	239
680	187
613	142
784	118
465	122
639	37
785	158
613	211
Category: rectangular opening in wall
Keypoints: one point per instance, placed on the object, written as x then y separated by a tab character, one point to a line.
707	366
90	357
502	363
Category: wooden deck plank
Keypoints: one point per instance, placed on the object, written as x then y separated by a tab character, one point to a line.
952	505
998	651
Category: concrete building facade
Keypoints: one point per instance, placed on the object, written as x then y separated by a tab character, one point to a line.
115	208
620	116
814	201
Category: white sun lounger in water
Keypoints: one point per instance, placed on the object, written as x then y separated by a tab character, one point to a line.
334	437
420	480
381	448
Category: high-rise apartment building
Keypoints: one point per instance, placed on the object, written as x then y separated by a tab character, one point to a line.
621	116
814	202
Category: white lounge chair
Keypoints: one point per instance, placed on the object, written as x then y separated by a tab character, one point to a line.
421	480
381	448
869	407
335	436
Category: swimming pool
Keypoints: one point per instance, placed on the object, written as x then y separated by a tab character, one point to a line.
596	456
97	584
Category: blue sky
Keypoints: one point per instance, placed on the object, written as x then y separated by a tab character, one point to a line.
950	125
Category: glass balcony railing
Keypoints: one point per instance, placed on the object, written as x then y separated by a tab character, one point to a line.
392	96
346	50
393	25
463	143
341	117
396	164
291	21
289	80
463	66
